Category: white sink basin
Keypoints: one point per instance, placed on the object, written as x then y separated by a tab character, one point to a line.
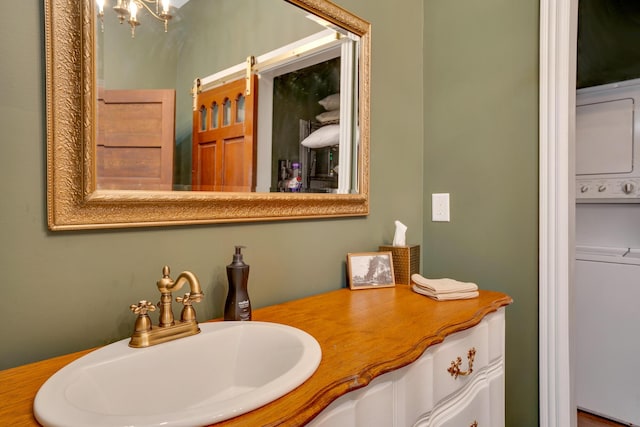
228	369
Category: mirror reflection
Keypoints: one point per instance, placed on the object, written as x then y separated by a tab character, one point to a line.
189	97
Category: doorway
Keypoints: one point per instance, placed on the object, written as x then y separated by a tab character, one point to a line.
558	41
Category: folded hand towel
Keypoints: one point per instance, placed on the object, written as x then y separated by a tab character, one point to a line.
442	286
445	296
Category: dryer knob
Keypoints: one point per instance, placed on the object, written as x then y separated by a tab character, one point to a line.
601	188
627	188
584	188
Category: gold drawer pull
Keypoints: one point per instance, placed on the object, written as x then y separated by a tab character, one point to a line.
474	424
454	369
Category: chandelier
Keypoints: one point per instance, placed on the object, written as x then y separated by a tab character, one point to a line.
127	11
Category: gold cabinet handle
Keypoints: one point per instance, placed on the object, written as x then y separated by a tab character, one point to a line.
474	424
455	370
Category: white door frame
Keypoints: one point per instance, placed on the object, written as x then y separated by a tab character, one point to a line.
558	37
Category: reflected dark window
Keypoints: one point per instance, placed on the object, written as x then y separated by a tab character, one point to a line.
203	118
226	112
240	109
214	116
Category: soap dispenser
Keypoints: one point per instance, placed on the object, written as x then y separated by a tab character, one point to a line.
237	306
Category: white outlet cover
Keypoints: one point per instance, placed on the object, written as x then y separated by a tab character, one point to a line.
440	207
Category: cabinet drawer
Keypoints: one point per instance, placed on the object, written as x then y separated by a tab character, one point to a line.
458	357
472	407
475	413
414	391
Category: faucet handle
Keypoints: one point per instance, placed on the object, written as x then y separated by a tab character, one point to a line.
142	307
189	298
143	322
188	313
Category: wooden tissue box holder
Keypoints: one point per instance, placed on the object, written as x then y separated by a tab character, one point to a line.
406	261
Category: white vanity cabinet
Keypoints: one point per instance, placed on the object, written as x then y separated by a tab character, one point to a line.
427	392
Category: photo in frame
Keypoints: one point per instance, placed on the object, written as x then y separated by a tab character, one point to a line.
370	270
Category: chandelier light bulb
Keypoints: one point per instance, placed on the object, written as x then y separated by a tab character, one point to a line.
133	10
133	20
100	4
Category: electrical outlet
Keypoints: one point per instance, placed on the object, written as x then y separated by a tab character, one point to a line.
440	207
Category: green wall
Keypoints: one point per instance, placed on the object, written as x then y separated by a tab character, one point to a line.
453	109
481	146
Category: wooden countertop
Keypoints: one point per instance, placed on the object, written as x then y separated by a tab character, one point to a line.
363	334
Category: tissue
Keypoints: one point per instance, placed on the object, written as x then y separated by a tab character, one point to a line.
399	238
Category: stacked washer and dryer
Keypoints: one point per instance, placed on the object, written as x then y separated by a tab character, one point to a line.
607	268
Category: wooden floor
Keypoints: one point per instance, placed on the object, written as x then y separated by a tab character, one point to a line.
587	420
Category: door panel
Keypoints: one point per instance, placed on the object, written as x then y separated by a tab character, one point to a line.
135	139
206	158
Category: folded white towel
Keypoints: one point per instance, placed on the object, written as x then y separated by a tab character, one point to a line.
443	286
445	296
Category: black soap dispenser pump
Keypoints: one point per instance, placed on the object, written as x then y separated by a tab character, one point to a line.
237	306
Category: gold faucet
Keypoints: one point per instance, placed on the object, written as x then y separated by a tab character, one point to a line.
145	335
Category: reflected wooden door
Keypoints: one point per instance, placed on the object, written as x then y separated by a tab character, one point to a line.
224	138
135	139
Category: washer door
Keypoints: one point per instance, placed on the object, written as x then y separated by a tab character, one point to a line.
607	343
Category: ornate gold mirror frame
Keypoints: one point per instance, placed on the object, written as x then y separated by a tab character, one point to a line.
72	199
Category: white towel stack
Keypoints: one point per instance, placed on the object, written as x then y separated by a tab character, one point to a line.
443	289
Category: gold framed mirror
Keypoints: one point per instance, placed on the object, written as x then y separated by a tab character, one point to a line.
74	200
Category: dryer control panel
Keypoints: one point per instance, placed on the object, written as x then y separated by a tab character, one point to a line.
605	189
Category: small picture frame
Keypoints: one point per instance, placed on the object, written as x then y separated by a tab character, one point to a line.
370	270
